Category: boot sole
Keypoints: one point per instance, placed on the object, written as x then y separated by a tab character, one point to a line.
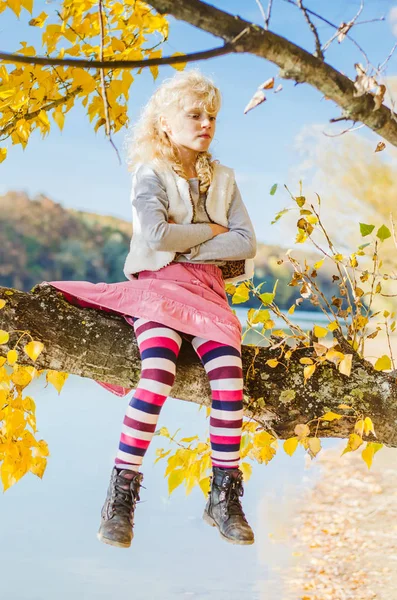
106	540
210	521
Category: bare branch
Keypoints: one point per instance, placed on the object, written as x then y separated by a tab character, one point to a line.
266	18
103	86
352	128
319	53
116	64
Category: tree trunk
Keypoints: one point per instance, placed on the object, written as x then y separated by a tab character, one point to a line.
102	346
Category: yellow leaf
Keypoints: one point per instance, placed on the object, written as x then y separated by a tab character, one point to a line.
368	454
178	66
332	326
175	479
2	303
291	309
21	376
320	331
314	445
345	365
230	288
331	416
369	426
354	442
241	294
272	362
308	371
302	430
334	356
318	264
38	466
57	378
345	406
59	118
38	21
12	357
290	445
306	361
382	364
189	439
33	349
117	45
359	427
279	332
263	438
247	470
205	485
42	448
3	154
4	336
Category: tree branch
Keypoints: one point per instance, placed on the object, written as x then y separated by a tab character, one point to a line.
319	53
102	346
116	64
295	63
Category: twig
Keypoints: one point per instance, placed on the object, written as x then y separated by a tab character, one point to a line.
382	65
103	87
319	53
344	131
266	18
393	229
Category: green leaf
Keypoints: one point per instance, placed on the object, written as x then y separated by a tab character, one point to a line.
267	298
279	215
383	233
366	229
273	189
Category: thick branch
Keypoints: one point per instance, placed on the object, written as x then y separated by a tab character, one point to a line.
102	346
295	63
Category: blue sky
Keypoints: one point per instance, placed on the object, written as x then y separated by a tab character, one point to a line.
79	168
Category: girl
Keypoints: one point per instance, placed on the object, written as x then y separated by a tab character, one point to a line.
191	233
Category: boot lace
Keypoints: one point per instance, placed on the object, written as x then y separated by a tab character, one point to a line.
122	497
229	497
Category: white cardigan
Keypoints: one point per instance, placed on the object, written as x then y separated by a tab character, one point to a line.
141	257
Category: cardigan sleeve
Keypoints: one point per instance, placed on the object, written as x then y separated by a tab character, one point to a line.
236	244
151	203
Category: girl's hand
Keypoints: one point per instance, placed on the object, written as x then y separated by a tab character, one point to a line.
217	229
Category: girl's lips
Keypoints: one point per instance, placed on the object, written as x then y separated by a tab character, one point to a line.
204	136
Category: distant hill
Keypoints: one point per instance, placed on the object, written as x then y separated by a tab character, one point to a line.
40	240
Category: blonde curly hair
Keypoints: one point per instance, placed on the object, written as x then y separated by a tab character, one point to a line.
146	140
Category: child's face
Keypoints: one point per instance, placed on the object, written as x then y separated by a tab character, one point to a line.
192	127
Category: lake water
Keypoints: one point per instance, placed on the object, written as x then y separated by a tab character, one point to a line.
49	547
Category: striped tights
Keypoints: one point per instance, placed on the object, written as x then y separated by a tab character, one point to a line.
159	347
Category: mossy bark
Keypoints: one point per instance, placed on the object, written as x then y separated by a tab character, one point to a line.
102	346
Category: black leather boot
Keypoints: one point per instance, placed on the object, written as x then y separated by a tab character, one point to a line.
118	511
224	510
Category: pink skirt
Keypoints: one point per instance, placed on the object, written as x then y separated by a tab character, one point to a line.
187	297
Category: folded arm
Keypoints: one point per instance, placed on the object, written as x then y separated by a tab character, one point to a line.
236	244
151	203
